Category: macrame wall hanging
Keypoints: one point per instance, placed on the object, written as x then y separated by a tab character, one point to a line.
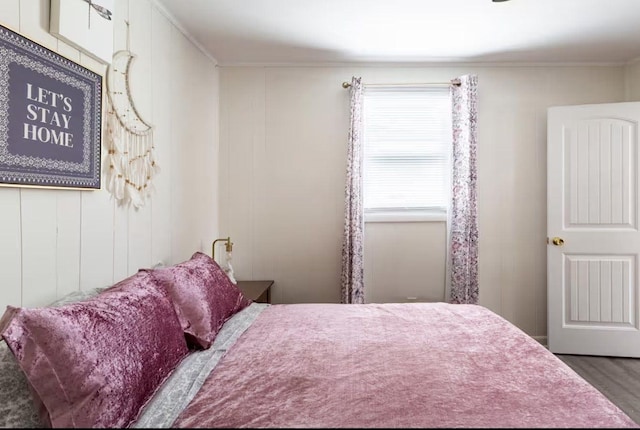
131	165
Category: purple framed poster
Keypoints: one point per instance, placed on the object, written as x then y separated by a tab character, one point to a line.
50	117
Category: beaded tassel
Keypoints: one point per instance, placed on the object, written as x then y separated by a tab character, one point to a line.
130	165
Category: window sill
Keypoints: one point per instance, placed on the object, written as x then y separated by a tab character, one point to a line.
406	216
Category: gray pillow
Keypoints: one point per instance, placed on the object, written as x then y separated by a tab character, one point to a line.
77	296
16	406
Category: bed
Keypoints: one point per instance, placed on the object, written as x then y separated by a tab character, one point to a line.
303	365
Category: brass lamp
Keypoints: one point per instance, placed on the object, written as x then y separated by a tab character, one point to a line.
228	246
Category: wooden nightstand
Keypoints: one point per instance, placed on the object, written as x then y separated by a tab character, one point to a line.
258	291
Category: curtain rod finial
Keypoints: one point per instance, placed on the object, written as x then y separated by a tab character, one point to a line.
346	84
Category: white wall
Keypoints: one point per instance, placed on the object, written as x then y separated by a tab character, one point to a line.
283	159
56	241
632	81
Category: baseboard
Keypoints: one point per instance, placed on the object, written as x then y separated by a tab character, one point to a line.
542	340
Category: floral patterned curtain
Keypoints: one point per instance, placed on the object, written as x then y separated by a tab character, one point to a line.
352	278
463	221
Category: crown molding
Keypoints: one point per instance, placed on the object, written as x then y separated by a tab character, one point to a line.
174	21
633	61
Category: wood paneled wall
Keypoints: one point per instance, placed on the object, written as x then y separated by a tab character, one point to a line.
56	241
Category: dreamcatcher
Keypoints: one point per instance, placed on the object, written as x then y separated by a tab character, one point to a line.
131	165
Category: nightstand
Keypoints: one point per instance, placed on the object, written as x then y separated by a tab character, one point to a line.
258	291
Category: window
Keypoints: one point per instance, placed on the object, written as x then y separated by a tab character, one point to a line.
407	139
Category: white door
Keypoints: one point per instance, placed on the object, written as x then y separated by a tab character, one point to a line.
592	216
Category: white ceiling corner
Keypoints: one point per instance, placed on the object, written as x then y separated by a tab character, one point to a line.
160	7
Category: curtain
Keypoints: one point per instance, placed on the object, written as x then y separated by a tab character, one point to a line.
352	278
462	270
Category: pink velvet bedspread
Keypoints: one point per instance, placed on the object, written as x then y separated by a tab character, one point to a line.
393	365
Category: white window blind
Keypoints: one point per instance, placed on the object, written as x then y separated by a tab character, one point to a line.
407	139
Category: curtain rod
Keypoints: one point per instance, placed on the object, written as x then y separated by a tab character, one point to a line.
455	82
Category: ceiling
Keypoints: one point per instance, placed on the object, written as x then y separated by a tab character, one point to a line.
380	31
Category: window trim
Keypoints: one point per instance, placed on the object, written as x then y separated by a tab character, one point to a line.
406	215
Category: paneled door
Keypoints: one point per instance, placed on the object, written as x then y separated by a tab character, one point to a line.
593	248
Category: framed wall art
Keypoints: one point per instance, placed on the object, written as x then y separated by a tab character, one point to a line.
85	24
50	117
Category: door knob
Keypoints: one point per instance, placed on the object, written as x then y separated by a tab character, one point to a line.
557	241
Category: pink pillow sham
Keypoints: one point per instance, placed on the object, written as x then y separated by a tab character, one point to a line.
203	296
96	363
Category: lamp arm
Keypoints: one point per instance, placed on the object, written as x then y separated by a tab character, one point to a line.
228	247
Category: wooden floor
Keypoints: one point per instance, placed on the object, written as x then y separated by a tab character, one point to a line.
617	378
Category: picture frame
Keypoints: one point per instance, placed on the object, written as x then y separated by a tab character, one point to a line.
50	117
86	25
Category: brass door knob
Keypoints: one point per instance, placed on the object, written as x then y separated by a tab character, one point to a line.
557	241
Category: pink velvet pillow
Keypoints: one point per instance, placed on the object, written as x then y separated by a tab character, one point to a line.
203	296
96	363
